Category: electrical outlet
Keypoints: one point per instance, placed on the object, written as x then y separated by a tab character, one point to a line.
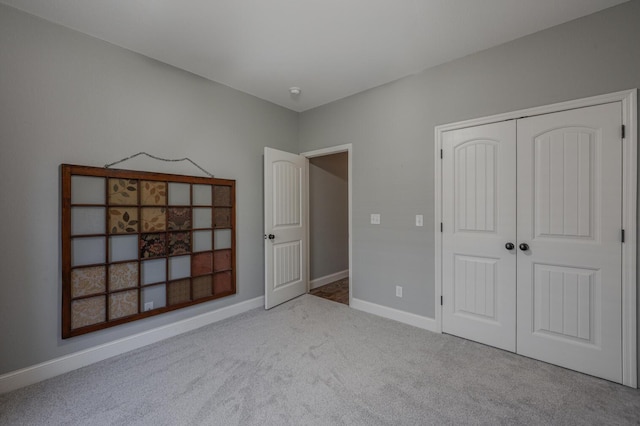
398	291
375	219
148	306
419	220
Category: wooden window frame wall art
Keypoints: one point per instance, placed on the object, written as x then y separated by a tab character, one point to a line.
137	244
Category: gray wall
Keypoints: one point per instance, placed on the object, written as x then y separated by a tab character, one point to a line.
392	131
329	214
69	98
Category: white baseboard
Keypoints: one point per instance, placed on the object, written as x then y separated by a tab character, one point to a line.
319	282
46	370
396	315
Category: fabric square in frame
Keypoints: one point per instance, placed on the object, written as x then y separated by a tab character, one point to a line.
85	281
222	282
123	220
179	218
152	245
222	217
202	263
123	192
89	311
123	275
123	304
179	243
222	260
179	292
202	287
153	219
153	193
222	196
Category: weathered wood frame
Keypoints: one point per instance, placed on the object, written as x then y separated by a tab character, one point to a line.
74	170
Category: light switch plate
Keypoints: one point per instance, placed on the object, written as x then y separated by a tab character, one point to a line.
419	220
375	219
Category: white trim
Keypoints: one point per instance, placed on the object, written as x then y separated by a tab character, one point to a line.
348	148
307	203
437	217
48	369
545	109
629	224
328	279
419	321
328	151
628	98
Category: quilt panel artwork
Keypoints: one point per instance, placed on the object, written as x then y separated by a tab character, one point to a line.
136	244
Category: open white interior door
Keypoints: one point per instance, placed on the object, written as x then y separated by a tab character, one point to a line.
285	226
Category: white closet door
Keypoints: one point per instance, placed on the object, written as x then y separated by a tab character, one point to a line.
479	211
569	214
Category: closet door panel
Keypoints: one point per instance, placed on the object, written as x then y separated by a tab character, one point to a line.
569	215
478	220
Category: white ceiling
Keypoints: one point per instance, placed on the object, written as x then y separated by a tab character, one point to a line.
330	48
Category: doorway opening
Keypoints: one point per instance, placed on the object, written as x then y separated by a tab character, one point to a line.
329	199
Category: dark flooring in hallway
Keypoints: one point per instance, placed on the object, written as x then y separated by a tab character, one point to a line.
338	291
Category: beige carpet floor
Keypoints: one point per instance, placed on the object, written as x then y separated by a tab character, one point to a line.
315	362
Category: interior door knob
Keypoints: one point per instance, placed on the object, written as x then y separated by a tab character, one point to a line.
509	246
271	236
524	246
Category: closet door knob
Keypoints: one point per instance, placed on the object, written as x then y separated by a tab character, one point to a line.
271	236
524	246
509	246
